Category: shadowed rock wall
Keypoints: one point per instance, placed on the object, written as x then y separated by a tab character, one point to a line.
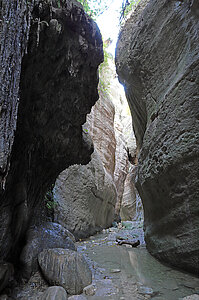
14	31
158	62
58	86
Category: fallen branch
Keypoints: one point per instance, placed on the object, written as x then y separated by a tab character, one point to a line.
133	243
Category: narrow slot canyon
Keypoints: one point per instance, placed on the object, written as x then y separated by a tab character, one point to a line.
99	150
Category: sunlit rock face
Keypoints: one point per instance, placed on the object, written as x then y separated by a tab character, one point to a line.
157	61
86	195
58	87
100	126
85	198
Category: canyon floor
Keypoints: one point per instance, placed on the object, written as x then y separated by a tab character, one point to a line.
123	272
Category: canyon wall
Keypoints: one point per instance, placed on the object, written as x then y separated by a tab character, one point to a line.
88	198
157	61
46	94
85	196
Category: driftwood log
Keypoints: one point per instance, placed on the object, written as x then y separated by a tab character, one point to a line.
133	243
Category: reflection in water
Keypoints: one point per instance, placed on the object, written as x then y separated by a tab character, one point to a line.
138	269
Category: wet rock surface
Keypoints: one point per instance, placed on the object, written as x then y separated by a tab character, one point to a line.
65	268
157	61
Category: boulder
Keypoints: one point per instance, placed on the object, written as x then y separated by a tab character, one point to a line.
85	197
65	268
157	61
54	293
46	236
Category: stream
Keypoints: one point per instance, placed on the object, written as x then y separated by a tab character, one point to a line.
123	272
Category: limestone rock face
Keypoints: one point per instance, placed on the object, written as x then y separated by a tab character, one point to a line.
128	205
58	87
157	61
100	126
66	268
46	236
85	197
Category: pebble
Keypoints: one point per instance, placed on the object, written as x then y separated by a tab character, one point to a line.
89	290
144	290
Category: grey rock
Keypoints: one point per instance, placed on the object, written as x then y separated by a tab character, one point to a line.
46	236
157	62
54	293
89	290
85	197
66	268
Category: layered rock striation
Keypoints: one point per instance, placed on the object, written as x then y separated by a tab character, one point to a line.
85	196
58	86
157	61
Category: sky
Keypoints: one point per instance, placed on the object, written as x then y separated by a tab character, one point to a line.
108	23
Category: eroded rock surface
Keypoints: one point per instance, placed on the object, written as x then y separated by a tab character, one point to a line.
65	268
58	86
85	197
46	236
13	43
157	61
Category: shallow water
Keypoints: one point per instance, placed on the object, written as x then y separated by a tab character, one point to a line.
132	273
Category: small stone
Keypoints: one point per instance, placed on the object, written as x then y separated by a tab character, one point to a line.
55	293
175	288
144	290
89	290
115	270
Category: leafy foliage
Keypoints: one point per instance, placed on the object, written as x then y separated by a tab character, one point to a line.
95	7
127	6
104	83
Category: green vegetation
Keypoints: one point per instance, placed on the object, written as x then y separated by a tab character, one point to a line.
94	8
104	83
127	6
49	201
